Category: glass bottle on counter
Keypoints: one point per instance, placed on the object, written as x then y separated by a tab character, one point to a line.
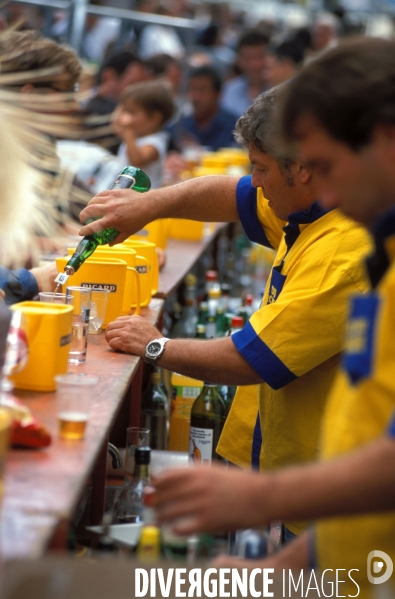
129	506
201	331
203	311
211	326
220	321
211	282
236	324
190	316
129	178
208	416
155	412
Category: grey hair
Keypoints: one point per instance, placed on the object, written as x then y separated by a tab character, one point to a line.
259	125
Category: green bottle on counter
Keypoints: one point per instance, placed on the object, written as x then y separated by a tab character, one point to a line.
208	416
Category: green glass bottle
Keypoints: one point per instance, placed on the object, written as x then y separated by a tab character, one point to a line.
129	178
208	416
155	413
201	331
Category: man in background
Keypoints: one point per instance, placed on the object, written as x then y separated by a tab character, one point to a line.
208	125
240	92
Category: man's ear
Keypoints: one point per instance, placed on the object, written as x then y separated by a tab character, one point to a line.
305	173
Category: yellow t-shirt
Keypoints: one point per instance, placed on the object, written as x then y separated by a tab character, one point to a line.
293	341
359	410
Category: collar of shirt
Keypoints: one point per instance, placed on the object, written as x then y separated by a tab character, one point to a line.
383	231
302	217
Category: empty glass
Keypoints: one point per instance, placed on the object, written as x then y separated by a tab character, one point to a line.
98	310
79	333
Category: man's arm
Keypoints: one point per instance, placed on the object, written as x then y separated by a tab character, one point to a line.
203	199
215	360
216	499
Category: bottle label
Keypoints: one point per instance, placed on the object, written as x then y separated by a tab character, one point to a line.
123	182
182	401
110	286
201	445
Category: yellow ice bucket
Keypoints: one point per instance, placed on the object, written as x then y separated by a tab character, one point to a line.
48	336
106	273
139	263
147	250
156	232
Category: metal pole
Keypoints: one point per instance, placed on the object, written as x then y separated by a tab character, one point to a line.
77	18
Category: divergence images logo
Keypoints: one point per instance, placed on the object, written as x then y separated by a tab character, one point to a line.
376	561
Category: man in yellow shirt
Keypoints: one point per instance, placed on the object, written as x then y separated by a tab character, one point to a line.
341	111
291	345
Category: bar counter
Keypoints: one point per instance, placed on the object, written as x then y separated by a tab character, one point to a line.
43	487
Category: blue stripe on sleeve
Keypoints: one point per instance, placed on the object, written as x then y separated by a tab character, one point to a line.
262	359
391	428
246	199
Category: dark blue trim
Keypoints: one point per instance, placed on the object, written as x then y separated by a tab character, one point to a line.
276	284
384	225
361	329
256	444
304	217
246	199
391	428
378	262
312	550
262	359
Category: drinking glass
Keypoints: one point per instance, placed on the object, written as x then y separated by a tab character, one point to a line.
135	437
98	310
53	298
74	393
79	333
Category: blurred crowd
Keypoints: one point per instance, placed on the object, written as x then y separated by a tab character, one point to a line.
204	81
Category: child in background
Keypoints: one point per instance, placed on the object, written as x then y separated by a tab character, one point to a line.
139	118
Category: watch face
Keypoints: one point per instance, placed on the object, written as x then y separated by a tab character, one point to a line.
154	348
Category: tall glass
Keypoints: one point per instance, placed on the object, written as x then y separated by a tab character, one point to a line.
135	437
80	328
74	393
98	310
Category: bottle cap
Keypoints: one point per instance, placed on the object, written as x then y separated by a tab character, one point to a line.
237	322
214	293
248	300
211	275
200	328
149	544
142	455
203	306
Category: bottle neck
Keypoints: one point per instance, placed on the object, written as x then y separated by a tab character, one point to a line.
141	471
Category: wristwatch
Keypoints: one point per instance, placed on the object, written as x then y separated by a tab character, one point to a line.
154	349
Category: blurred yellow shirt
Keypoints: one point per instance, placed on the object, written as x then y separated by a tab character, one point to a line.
361	408
293	341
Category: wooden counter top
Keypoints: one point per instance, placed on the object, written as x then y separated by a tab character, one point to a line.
42	487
